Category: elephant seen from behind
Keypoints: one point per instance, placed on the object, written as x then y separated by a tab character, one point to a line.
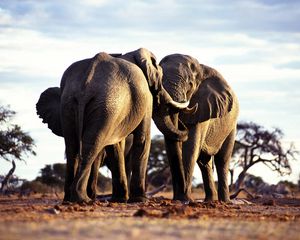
209	125
102	100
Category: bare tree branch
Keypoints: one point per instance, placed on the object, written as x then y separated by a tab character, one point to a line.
7	177
255	144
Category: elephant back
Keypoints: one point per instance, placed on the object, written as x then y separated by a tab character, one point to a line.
48	108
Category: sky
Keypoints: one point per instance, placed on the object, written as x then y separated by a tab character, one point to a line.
254	44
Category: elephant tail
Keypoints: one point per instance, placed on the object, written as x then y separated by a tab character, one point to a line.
80	116
80	99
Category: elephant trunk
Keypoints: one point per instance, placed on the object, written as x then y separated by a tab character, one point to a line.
164	107
165	124
175	104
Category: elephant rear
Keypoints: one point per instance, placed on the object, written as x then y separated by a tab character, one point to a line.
103	100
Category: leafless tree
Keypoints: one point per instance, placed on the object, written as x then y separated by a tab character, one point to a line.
255	144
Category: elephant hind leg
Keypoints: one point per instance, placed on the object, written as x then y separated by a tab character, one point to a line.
119	180
72	160
140	154
205	164
93	179
80	183
71	169
222	160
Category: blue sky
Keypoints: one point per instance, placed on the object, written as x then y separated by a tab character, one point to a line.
254	44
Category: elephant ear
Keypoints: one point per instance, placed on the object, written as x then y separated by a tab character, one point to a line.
146	61
48	108
215	99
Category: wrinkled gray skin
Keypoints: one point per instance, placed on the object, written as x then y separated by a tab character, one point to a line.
108	161
101	101
210	125
48	108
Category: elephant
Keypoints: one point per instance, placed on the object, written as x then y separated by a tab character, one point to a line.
101	101
48	108
209	124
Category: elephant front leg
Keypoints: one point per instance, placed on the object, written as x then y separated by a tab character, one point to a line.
119	181
222	160
140	155
190	153
174	153
205	164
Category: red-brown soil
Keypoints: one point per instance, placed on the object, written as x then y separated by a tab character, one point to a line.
43	216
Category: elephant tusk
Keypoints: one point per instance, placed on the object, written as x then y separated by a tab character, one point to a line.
179	105
168	100
191	110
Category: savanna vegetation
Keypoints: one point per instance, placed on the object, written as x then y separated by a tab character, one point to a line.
15	144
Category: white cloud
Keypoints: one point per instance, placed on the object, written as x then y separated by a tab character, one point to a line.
5	18
65	17
94	3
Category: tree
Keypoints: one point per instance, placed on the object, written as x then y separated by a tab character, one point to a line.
255	144
158	160
53	175
158	165
14	142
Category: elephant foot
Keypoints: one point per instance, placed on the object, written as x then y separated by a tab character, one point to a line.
210	199
66	199
80	198
224	198
136	199
92	195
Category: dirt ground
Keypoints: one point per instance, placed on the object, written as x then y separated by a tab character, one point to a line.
44	217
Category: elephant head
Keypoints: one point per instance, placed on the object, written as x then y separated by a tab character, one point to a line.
146	61
182	76
186	80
